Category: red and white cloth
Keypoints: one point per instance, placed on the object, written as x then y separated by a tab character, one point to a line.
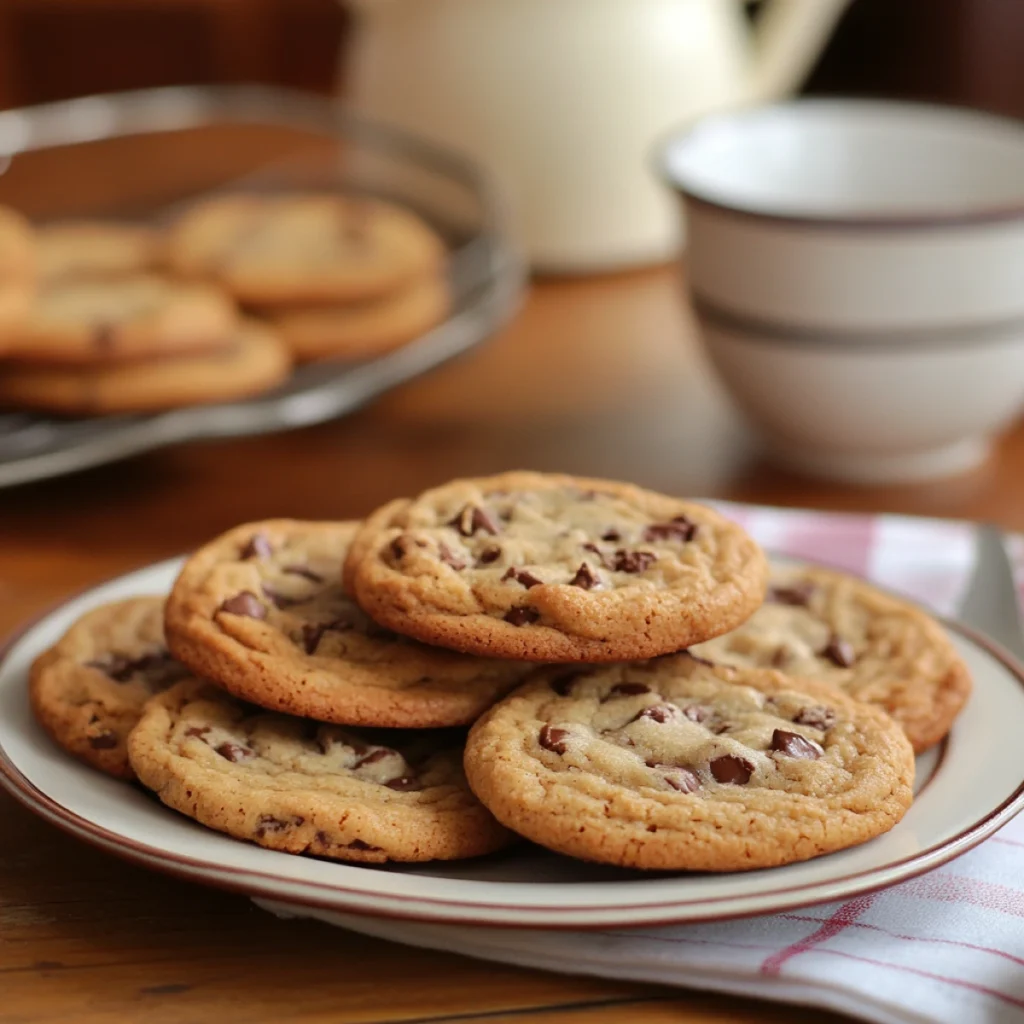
944	948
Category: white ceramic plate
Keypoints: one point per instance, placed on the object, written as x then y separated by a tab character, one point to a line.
967	788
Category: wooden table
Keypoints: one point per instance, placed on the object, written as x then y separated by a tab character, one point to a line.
600	377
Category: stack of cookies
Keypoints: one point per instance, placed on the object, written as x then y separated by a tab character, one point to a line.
641	688
105	317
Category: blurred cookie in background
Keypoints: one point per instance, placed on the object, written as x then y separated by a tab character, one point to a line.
96	249
84	322
253	361
360	330
315	249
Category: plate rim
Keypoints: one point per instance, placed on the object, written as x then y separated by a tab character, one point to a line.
302	892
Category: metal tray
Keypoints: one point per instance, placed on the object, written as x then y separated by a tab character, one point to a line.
141	155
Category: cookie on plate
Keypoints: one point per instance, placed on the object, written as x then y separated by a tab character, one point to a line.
89	690
303	248
262	612
364	329
88	322
545	567
255	361
825	625
86	249
303	787
672	764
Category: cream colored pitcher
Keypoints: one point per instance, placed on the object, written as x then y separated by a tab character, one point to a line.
563	99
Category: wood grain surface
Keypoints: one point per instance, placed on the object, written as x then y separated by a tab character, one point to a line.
600	376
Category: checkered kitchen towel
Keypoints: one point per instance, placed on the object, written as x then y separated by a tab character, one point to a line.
945	947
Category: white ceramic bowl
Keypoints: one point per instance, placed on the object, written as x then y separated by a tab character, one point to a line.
858	271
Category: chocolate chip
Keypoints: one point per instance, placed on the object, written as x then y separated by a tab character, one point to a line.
488	555
473	518
795	745
398	547
404	784
103	336
781	657
246	603
257	547
305	572
521	616
562	684
680	528
628	689
450	558
685	780
611	535
527	579
796	594
696	713
358	844
103	741
552	738
839	652
732	770
605	561
322	839
585	578
634	561
233	752
268	823
312	634
374	756
817	716
199	731
159	668
660	713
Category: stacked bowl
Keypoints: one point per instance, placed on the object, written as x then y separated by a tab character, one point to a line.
857	270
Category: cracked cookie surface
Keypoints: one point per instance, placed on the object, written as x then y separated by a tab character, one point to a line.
88	690
545	567
262	612
306	787
820	624
673	764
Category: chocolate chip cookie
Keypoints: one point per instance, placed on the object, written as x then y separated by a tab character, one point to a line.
304	787
303	248
262	612
825	625
86	249
672	764
253	361
85	322
554	568
364	329
89	690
